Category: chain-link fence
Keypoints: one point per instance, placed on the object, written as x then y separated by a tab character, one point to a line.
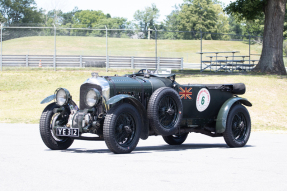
123	48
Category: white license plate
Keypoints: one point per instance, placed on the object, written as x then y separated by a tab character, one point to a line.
69	132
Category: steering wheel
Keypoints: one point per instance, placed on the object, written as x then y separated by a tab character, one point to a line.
142	71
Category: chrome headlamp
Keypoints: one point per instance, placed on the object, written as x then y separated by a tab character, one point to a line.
92	97
62	96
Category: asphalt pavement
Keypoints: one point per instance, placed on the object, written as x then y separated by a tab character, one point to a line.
201	163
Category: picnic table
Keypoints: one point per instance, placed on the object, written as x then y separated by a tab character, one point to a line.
232	64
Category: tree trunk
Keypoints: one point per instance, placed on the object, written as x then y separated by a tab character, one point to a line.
271	60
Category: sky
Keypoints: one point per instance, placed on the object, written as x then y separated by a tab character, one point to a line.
116	8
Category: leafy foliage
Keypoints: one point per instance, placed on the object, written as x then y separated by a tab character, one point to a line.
247	17
202	15
191	15
20	11
85	19
88	18
172	23
2	19
246	9
146	19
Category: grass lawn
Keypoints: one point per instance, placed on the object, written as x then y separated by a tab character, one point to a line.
22	90
78	45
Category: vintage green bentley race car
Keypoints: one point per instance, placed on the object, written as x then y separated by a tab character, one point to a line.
122	109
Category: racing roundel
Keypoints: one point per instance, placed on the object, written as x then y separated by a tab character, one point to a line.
202	99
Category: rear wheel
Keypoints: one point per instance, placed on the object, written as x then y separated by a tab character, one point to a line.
47	122
175	139
122	127
238	127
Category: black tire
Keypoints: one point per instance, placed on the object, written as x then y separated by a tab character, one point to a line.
122	128
164	111
175	139
238	126
48	136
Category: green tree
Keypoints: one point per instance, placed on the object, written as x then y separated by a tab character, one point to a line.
236	28
285	25
20	11
222	24
113	23
67	18
254	27
88	18
171	23
53	17
204	15
271	60
147	18
2	19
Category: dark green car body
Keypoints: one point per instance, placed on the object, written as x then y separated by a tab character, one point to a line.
201	108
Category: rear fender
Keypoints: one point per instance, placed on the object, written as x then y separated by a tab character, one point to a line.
224	110
138	105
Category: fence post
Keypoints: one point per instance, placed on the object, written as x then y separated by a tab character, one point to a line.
54	60
107	56
27	64
181	63
156	48
158	63
249	49
81	61
132	62
148	36
1	47
200	50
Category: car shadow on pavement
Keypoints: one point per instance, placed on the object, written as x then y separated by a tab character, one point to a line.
167	148
149	149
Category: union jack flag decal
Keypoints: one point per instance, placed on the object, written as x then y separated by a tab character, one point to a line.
185	93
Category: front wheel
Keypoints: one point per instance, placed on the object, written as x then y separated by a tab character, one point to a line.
175	139
122	127
238	127
47	122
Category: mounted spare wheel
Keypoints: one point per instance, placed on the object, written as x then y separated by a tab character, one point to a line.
165	111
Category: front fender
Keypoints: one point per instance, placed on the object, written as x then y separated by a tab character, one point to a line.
224	110
118	98
139	106
73	105
48	99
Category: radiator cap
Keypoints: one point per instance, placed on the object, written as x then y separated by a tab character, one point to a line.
95	75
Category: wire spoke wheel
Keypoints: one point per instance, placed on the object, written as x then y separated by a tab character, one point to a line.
238	127
164	111
122	128
48	121
125	129
167	112
56	120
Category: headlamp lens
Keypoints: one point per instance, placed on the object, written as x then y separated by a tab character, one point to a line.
62	96
92	97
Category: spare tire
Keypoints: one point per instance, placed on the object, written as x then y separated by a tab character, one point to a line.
165	111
